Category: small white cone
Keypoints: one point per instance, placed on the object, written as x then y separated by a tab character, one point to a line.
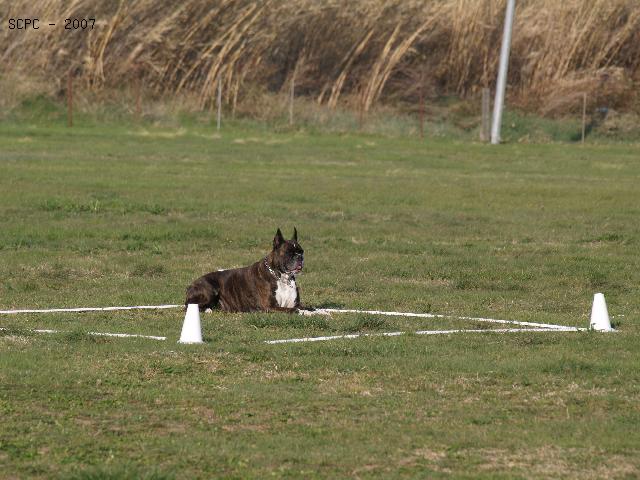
191	330
599	315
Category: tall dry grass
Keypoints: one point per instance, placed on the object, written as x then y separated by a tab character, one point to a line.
358	51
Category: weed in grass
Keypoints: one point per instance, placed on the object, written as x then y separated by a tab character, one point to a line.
136	245
57	271
597	279
149	270
70	206
19	243
18	335
313	322
534	340
469	282
610	237
363	323
119	472
577	367
154	208
481	326
28	286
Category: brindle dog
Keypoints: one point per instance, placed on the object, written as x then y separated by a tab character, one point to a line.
269	285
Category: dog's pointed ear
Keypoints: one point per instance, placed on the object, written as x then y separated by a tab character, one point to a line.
295	234
278	239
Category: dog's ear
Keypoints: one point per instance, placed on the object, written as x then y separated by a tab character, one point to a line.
278	239
295	234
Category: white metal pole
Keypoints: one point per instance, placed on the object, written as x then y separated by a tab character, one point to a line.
502	72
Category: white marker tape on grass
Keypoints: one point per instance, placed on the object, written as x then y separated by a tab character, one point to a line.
319	312
433	315
420	332
126	335
99	334
535	327
91	309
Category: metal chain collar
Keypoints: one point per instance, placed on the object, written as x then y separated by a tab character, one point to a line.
290	279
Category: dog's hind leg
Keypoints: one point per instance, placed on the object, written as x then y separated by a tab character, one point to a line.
203	292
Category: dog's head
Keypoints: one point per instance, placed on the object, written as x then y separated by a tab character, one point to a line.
287	255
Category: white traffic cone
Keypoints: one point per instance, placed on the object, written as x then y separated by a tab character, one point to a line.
191	330
599	315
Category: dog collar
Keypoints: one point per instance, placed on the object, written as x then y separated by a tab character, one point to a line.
266	264
287	277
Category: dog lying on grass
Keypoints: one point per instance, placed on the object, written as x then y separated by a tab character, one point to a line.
269	285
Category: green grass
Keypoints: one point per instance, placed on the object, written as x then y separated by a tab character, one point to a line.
446	118
121	215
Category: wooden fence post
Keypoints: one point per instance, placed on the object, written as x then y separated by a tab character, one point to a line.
138	97
219	101
486	115
584	115
361	112
70	98
291	97
421	106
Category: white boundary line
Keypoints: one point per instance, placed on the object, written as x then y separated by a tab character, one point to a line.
433	315
90	309
420	332
126	335
318	311
531	326
98	334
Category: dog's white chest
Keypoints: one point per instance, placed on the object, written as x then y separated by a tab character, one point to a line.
286	292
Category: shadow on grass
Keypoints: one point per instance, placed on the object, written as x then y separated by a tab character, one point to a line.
317	322
329	305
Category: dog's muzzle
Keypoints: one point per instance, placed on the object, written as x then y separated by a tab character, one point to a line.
299	265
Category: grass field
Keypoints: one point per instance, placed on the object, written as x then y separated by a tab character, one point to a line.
119	215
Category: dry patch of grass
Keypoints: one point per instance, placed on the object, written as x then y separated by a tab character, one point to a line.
15	339
554	462
358	384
